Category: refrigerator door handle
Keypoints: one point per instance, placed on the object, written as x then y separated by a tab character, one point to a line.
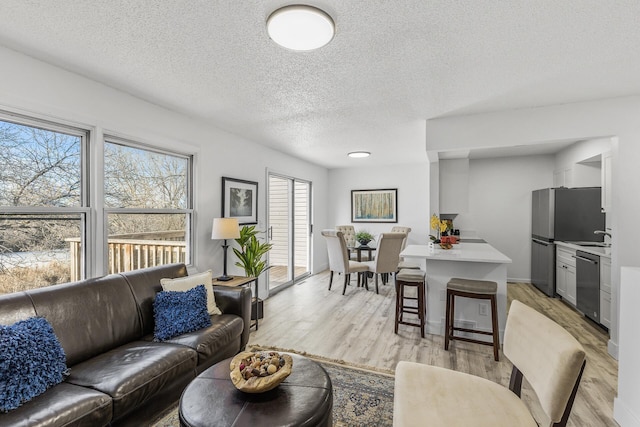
541	242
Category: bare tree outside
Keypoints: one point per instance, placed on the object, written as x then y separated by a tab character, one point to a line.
43	213
40	172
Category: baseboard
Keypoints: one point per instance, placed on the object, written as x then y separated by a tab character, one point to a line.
612	349
624	415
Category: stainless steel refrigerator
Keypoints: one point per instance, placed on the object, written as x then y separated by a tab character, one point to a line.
563	214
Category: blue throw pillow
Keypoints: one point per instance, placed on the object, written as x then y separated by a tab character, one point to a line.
31	361
179	312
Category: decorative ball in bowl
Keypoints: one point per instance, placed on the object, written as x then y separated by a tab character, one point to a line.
257	372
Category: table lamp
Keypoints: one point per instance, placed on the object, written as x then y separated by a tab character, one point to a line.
223	229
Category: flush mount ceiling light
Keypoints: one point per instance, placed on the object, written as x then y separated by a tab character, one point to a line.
359	154
300	27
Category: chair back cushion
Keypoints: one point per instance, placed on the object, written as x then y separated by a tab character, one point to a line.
337	249
405	230
348	234
548	356
389	248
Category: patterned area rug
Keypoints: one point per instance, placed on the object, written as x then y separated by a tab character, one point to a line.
362	396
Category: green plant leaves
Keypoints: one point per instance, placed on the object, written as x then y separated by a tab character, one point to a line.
251	251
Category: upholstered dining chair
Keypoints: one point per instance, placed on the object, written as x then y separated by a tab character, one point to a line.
404	263
338	258
540	350
349	234
388	257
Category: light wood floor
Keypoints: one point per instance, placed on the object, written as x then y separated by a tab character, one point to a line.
358	328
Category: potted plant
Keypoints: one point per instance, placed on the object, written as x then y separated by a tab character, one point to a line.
364	237
251	252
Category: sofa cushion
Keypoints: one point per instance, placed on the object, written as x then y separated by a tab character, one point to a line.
62	405
145	284
91	316
215	342
189	282
14	307
178	312
31	361
135	372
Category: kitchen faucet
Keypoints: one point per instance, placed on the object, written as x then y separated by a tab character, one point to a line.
602	232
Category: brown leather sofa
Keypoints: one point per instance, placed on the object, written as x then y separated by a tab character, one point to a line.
118	374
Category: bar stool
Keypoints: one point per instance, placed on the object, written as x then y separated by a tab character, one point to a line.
410	278
477	289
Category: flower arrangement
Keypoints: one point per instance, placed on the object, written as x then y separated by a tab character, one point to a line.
439	225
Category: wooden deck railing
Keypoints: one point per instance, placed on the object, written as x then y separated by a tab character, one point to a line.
134	251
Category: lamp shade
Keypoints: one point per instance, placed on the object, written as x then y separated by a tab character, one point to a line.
225	228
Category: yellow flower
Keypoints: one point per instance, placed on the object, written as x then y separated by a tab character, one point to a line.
435	222
443	226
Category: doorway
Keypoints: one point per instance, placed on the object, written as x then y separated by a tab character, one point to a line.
289	230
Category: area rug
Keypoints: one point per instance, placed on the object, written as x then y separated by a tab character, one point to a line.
362	395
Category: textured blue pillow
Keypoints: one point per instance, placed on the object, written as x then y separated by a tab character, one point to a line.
31	361
179	312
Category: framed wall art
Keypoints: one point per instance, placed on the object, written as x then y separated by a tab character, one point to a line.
240	200
374	205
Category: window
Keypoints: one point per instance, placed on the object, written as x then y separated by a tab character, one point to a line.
43	203
148	208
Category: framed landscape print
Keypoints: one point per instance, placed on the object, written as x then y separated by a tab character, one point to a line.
240	200
374	205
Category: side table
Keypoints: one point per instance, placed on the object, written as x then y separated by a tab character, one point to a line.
244	281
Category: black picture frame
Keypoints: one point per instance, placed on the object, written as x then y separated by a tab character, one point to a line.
240	200
374	205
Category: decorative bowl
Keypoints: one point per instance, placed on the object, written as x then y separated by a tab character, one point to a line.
257	372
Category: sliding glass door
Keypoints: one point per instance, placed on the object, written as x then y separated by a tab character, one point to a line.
289	226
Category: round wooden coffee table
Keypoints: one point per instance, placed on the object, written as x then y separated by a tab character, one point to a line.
304	398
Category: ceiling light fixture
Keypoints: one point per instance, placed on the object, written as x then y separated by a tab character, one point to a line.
359	154
300	27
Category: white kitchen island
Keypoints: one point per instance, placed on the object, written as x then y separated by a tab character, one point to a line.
479	261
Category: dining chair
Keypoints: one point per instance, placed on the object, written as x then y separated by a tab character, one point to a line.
403	263
338	258
541	351
388	257
349	234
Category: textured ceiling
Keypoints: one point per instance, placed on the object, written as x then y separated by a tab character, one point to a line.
391	66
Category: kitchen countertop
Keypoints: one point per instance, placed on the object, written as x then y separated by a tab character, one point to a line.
594	250
471	252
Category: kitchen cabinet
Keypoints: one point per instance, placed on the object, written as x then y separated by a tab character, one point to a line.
563	177
606	181
566	274
605	291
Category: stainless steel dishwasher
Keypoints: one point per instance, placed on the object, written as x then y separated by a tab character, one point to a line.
588	284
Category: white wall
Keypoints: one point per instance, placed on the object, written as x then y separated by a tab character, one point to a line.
618	118
36	88
412	182
627	404
500	205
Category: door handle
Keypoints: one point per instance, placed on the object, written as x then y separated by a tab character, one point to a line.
585	259
270	232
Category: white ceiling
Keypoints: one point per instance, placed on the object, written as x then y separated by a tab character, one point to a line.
391	66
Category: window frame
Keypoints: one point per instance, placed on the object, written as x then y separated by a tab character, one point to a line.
189	211
84	209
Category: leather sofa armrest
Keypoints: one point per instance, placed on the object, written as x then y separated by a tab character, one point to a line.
236	301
